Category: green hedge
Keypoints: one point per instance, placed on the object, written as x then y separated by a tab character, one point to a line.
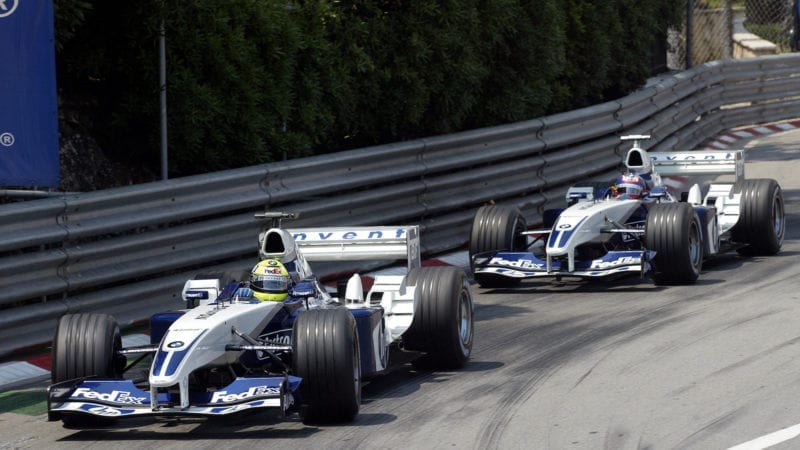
255	81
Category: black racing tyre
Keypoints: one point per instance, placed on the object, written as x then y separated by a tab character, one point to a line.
673	232
326	357
86	345
443	325
762	222
497	228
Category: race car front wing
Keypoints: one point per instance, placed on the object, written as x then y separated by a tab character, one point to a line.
122	398
528	265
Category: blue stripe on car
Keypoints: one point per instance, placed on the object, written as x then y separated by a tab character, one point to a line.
565	235
172	358
553	238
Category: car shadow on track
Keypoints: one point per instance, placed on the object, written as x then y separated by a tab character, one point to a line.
245	428
263	425
496	311
629	283
404	379
732	261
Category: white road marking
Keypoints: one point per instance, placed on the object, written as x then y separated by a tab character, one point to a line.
771	439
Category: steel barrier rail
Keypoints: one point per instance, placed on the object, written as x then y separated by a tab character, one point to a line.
128	250
636	107
30	224
569	128
474	140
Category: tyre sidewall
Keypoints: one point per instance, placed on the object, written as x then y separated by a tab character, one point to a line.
761	211
85	345
673	231
496	228
443	324
326	357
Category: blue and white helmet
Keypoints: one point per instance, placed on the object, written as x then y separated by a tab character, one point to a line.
630	186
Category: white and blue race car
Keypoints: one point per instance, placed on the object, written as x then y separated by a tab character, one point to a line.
309	353
666	232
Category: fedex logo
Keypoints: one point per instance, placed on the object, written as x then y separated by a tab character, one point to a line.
256	391
623	261
520	263
346	235
113	396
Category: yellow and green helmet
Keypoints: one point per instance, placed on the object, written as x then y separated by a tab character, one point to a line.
270	281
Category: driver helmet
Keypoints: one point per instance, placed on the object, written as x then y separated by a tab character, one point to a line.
269	280
631	186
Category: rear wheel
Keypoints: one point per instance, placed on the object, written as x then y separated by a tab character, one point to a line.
762	221
443	324
497	228
673	232
326	357
86	345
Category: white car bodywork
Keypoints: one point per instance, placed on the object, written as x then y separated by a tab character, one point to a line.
296	248
594	221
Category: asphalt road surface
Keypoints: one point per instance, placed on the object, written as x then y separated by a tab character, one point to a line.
570	365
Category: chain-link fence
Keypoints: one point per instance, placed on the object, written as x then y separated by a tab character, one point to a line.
720	29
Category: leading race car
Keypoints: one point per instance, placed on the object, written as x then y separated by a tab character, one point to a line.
636	224
300	350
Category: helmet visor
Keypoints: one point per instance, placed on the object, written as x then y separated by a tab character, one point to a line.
632	189
270	283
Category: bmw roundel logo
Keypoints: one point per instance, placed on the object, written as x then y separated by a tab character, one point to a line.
175	344
565	226
6	9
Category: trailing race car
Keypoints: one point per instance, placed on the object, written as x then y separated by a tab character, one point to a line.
635	225
301	350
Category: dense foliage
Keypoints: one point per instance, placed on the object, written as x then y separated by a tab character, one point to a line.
255	81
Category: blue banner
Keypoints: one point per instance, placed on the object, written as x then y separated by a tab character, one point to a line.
28	105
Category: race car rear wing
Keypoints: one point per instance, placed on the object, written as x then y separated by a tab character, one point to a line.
707	162
343	244
356	243
359	243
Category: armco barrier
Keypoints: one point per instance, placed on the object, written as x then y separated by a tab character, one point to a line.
127	251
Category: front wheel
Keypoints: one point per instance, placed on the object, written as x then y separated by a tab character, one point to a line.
673	232
86	345
497	228
326	357
443	324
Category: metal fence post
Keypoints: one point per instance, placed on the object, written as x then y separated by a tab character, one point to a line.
689	32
